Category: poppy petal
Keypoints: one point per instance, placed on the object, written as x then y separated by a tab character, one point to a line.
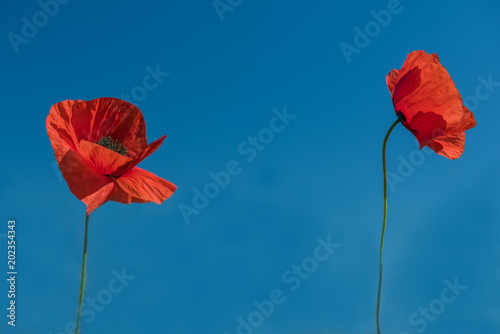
98	198
121	196
451	145
406	84
145	186
426	126
391	80
467	122
138	158
84	181
112	117
435	92
104	160
61	134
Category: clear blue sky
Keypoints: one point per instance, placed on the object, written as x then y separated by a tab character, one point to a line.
318	175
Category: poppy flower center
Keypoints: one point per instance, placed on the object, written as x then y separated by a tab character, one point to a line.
113	145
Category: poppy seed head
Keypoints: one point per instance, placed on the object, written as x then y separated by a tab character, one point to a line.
401	116
113	145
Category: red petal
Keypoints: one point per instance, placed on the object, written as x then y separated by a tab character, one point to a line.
406	85
426	126
131	163
146	186
112	117
104	160
59	128
467	121
84	181
98	198
391	80
435	92
451	146
121	196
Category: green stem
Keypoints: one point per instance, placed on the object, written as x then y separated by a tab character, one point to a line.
383	225
84	263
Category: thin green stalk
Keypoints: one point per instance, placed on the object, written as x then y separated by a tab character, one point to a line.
84	263
383	225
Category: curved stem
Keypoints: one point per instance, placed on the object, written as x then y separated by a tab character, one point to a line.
84	263
383	225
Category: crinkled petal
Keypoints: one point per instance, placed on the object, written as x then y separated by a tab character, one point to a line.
426	126
61	134
406	84
424	85
131	163
84	181
467	122
112	117
98	198
451	146
104	160
391	80
146	186
121	196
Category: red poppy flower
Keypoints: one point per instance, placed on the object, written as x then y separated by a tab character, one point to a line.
98	145
429	105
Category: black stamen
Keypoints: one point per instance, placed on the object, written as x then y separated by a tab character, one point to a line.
113	145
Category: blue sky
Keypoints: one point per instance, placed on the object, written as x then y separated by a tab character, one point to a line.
315	182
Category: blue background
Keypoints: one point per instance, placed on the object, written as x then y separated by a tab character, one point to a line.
320	176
